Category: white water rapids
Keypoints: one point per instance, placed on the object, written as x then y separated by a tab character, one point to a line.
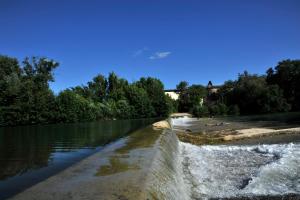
232	171
183	171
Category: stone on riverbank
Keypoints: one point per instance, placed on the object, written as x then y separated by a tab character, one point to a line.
162	125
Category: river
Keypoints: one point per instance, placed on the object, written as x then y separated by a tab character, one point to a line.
147	164
30	154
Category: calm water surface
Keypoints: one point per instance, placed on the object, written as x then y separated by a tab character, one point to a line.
30	154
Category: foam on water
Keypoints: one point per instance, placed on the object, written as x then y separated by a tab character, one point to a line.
185	171
233	171
181	121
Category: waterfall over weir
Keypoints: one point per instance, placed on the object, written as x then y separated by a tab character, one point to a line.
185	171
154	164
166	178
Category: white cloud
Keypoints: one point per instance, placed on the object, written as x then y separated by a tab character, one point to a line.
160	55
140	52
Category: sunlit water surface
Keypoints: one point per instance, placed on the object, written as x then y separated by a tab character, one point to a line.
30	154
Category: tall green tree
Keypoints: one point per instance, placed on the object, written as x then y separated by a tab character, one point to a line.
10	87
38	99
287	76
116	87
253	95
157	97
190	97
74	108
26	97
140	103
98	88
182	86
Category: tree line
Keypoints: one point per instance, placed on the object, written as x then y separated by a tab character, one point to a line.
26	97
276	91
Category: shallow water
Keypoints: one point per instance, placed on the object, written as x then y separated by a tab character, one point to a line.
30	154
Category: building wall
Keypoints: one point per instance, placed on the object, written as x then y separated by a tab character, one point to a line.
173	95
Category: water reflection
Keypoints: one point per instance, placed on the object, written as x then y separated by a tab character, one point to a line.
30	154
121	160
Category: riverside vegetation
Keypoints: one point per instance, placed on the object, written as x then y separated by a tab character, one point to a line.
276	91
26	98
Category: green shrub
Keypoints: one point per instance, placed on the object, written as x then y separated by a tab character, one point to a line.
123	110
234	110
200	111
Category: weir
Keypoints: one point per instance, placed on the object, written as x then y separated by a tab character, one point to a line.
166	179
185	171
154	164
136	167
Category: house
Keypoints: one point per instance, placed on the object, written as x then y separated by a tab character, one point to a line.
211	92
212	89
174	94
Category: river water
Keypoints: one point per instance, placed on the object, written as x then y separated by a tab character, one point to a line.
233	171
148	164
30	154
240	170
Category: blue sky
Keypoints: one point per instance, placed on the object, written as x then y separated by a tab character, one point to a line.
192	40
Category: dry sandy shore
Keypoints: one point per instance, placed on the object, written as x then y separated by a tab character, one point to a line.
224	130
259	132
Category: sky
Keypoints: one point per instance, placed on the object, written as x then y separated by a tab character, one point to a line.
173	40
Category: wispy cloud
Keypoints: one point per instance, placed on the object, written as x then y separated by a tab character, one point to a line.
160	55
140	52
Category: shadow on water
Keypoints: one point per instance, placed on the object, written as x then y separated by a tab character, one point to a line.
30	154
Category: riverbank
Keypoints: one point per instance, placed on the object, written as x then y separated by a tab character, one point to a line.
230	130
260	162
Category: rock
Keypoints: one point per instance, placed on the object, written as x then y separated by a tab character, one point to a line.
161	125
178	115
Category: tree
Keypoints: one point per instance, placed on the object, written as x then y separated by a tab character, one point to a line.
182	86
98	88
200	111
287	76
272	100
253	95
116	87
190	97
225	92
37	96
140	103
10	83
233	110
26	97
123	110
172	105
74	108
155	92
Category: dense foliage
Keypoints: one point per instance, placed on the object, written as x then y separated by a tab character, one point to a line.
26	98
277	91
286	75
25	95
190	96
